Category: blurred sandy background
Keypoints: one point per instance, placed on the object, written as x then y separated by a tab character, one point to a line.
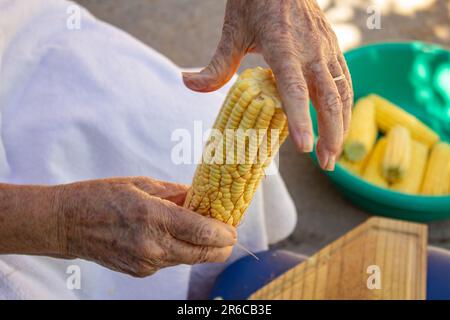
187	32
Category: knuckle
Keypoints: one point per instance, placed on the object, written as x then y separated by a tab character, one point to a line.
332	105
205	233
204	255
280	49
297	89
280	26
155	255
159	256
142	271
315	65
347	101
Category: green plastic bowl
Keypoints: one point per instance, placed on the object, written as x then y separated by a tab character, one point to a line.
415	76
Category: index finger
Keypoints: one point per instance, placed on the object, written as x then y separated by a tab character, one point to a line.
173	192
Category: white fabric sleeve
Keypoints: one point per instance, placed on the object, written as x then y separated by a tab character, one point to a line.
91	103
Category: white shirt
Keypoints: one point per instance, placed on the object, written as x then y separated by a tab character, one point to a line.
94	102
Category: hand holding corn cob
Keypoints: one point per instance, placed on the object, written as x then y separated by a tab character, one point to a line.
134	225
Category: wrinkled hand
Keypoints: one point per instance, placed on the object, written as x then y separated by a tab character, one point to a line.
301	48
137	226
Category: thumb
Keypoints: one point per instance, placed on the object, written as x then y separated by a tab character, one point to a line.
173	192
222	67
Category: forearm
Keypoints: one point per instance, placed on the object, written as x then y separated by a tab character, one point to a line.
28	220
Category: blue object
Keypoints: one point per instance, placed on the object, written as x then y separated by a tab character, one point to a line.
438	274
245	276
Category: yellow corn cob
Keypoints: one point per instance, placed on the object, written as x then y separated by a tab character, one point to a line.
412	180
223	188
389	115
355	167
362	132
372	172
437	174
397	157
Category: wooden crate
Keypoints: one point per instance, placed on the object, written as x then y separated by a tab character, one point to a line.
342	269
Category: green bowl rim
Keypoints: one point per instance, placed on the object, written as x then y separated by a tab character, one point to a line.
345	178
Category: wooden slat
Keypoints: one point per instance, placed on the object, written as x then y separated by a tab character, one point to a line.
339	271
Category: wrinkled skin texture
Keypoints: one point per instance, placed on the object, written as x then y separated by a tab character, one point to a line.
132	225
299	45
137	226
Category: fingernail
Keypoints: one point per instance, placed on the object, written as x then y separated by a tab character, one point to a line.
330	163
195	81
307	142
327	160
188	78
188	75
303	141
323	158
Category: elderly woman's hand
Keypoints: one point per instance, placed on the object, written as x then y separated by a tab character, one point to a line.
301	48
136	226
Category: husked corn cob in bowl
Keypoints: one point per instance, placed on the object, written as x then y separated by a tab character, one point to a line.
373	171
412	181
388	115
246	135
437	175
363	133
401	91
396	161
397	156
